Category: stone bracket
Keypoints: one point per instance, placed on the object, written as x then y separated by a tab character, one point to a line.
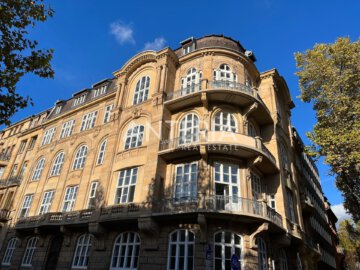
99	232
262	228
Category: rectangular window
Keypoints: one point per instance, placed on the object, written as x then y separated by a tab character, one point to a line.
186	181
22	146
79	100
22	171
290	204
272	201
2	169
107	113
100	91
13	171
9	200
26	205
88	121
255	186
69	198
67	129
48	136
32	142
92	195
125	189
46	202
58	109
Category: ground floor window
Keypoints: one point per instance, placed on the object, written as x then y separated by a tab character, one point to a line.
226	244
125	254
283	260
262	254
83	247
181	250
9	251
29	251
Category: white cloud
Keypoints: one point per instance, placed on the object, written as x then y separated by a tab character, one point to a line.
156	45
340	212
122	32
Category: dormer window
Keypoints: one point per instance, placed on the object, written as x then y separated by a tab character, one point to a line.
100	91
188	45
58	109
79	100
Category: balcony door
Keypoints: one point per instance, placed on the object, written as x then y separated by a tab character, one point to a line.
189	129
186	181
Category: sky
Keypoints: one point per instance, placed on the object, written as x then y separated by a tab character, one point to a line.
93	38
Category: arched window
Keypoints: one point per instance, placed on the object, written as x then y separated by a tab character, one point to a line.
191	83
225	245
262	254
80	158
101	154
83	247
29	251
58	163
38	169
224	73
10	248
283	260
189	129
125	254
224	121
181	250
134	137
141	90
251	130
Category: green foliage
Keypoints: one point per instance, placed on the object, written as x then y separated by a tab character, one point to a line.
19	54
329	78
349	236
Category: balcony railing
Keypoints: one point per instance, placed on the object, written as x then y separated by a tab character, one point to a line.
218	203
183	141
266	151
11	181
233	86
4	157
184	91
4	215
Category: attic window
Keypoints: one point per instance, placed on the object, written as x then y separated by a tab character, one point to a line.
79	100
188	45
100	91
58	109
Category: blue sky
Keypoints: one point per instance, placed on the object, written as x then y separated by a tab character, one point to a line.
92	39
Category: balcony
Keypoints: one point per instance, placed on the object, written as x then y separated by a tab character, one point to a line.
11	181
4	159
4	215
220	142
219	92
250	210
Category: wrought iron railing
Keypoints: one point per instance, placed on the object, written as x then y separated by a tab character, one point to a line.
4	157
233	86
184	91
183	141
4	215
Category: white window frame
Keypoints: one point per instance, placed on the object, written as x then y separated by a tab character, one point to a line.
38	169
134	137
101	154
189	129
24	211
69	198
79	100
67	128
107	113
127	243
48	136
82	252
22	146
58	109
80	158
189	240
191	82
88	121
46	202
29	251
236	248
92	194
125	189
141	90
262	254
185	186
272	200
100	91
225	74
225	121
57	165
9	252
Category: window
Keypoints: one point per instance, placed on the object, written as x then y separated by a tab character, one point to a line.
92	195
100	91
181	250
186	181
224	74
134	137
38	169
2	169
290	204
101	154
58	109
262	254
255	186
79	100
224	121
125	254
188	48
283	260
48	136
189	129
191	83
80	158
283	157
10	248
141	90
26	205
58	163
22	146
67	129
83	248
126	186
22	171
107	113
32	142
29	251
69	198
88	121
225	245
13	171
251	130
46	202
272	201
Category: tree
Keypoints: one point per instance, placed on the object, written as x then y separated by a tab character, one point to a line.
329	78
349	236
19	55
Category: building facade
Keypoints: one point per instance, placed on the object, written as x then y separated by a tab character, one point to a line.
186	159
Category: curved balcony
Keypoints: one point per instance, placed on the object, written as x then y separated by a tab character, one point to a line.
248	209
219	92
220	142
